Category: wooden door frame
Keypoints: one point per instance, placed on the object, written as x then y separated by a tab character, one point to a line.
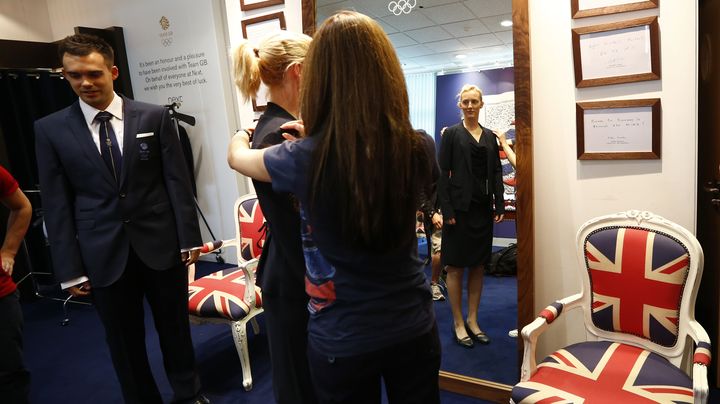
524	190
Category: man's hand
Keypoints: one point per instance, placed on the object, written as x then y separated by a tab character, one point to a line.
82	289
437	220
8	262
190	257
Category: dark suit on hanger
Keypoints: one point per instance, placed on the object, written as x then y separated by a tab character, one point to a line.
125	236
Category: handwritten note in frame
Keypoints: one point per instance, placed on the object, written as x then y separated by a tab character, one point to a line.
589	8
614	53
618	130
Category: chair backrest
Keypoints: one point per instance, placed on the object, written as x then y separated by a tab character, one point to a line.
641	275
250	228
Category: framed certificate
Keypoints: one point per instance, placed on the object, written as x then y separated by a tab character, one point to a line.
246	5
256	27
620	52
589	8
618	130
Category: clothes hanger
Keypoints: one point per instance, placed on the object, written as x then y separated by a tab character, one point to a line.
188	119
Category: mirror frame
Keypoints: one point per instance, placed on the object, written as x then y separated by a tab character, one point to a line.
454	382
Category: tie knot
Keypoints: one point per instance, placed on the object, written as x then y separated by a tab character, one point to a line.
103	116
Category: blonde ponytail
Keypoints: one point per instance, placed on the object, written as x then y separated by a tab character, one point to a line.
268	62
246	70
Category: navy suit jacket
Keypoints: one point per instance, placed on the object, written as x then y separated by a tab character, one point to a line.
92	221
456	177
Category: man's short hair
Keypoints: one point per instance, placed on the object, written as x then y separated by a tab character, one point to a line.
85	44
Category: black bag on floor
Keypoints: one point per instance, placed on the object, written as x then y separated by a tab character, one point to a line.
503	262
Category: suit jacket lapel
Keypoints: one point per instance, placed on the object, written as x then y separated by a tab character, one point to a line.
83	136
466	139
130	129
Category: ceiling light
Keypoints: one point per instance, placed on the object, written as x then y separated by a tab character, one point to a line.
506	23
460	56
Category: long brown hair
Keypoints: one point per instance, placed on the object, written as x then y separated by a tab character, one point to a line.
354	100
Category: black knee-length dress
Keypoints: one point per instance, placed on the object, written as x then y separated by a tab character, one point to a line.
468	242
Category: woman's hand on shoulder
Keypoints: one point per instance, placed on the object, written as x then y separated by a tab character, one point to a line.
501	137
293	130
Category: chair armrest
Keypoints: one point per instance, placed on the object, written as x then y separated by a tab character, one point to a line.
211	246
248	269
532	331
701	361
206	249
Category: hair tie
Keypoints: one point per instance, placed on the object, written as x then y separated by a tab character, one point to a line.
257	52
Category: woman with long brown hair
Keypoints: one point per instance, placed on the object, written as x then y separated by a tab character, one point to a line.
357	176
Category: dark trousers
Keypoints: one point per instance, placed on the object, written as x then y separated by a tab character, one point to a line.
409	370
14	379
286	322
120	307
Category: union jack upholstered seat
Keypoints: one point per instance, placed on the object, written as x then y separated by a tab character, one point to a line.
640	276
230	295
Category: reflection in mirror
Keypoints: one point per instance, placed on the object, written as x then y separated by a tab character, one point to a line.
442	45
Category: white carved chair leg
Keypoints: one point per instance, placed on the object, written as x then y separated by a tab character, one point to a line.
239	329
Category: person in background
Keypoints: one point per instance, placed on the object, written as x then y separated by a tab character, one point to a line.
509	152
121	219
436	250
471	198
358	176
14	378
432	223
277	63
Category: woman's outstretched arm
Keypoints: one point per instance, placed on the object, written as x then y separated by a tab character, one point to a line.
245	160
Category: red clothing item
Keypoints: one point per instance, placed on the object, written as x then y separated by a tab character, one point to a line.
8	185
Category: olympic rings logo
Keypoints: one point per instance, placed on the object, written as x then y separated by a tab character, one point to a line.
167	41
401	6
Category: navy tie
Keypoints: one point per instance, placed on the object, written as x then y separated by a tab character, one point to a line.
108	144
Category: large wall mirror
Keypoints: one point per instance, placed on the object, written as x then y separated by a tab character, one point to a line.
428	39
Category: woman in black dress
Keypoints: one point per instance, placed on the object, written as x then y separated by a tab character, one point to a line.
277	61
471	197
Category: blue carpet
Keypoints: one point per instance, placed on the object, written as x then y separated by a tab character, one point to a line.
71	364
497	315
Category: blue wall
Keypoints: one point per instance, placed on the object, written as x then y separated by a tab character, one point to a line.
491	82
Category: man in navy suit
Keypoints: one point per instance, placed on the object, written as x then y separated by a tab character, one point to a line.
120	217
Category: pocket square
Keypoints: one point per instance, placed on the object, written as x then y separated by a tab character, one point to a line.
146	134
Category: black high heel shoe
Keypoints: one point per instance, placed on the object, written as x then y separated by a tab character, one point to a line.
466	342
480	337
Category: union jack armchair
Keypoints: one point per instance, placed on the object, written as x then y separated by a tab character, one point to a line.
230	296
640	277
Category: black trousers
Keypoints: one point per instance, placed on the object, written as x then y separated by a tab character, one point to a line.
409	370
286	322
120	307
14	379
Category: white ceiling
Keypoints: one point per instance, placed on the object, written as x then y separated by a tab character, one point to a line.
435	31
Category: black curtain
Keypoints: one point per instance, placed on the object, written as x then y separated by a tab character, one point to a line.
25	96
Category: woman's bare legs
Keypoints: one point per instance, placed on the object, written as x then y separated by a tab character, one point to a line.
454	287
474	288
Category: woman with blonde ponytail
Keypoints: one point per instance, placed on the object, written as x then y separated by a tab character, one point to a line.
276	61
